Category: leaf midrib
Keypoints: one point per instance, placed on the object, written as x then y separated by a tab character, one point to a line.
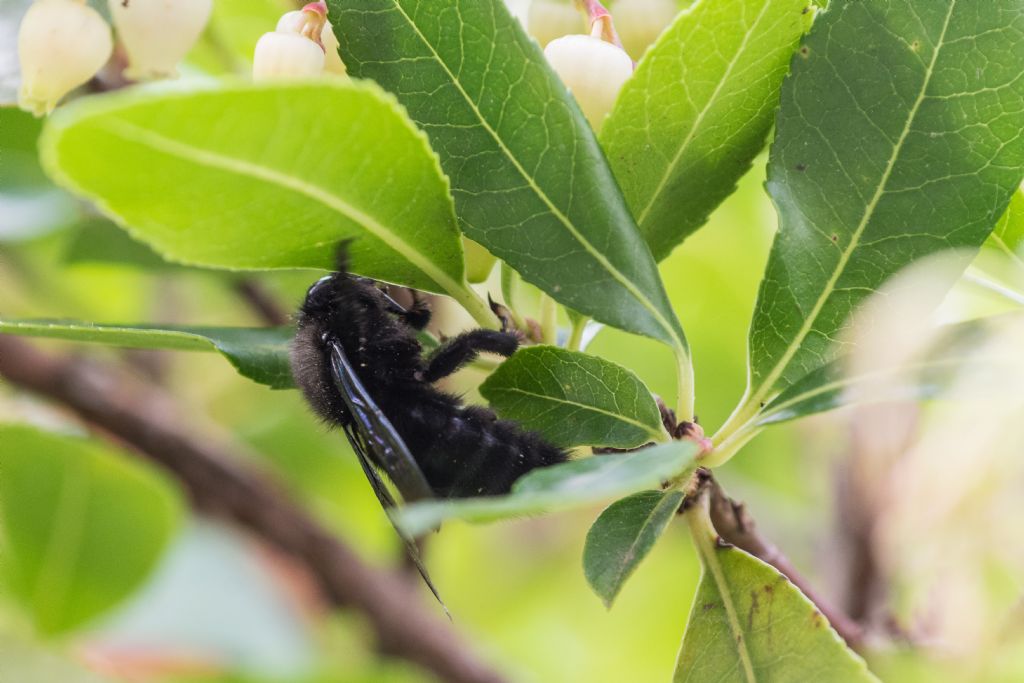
849	382
132	132
56	574
691	135
773	376
621	569
590	248
582	406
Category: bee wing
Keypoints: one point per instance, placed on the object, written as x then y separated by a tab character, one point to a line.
384	446
372	434
388	502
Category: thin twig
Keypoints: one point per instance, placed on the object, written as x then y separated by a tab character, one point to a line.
147	420
261	302
735	525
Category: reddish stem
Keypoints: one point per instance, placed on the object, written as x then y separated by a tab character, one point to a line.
596	12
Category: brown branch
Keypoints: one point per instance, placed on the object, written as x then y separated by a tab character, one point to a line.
147	420
735	526
261	302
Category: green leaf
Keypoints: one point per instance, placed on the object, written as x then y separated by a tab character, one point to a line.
1008	235
871	173
19	133
248	176
749	624
574	399
622	536
831	386
98	240
560	487
259	353
689	123
529	179
30	205
83	525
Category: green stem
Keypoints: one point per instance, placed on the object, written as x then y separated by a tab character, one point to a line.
510	291
738	429
548	319
705	539
685	398
475	306
579	325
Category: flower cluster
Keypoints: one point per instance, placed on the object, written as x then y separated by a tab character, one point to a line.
64	43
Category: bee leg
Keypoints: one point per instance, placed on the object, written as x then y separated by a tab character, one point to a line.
416	316
462	349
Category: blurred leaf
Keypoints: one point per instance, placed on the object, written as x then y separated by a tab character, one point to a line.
574	399
529	179
259	353
560	487
1008	235
273	178
871	173
30	205
622	536
98	240
689	123
19	133
83	525
830	386
749	623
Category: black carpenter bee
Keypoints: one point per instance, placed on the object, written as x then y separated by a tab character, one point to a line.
359	364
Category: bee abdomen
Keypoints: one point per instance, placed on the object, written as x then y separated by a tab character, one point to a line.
480	455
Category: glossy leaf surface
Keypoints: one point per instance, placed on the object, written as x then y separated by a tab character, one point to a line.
622	536
689	123
261	354
529	180
561	487
574	399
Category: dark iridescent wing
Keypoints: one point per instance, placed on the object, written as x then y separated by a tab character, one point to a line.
376	442
385	447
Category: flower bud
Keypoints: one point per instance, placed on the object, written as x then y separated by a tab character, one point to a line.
291	51
61	45
549	19
157	34
593	70
292	22
640	22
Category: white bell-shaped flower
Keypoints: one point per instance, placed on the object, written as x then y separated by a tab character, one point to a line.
292	22
593	70
157	34
294	49
286	55
61	45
